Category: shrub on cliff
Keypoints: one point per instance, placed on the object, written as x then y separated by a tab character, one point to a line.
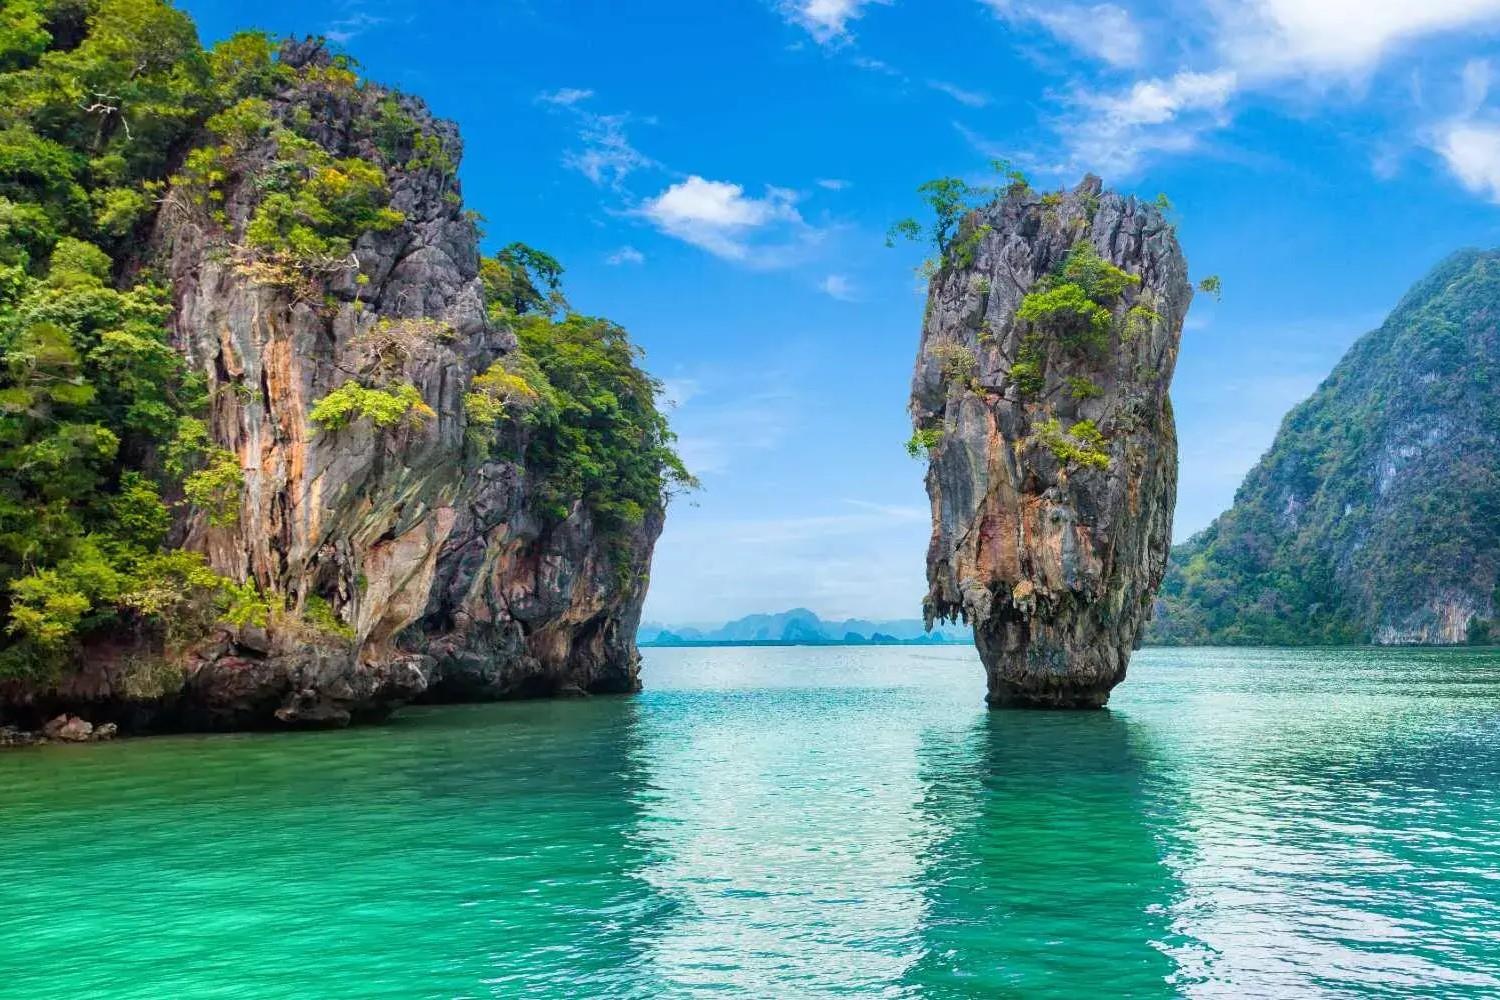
593	430
1077	304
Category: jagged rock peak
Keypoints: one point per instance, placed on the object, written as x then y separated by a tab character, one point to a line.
1040	395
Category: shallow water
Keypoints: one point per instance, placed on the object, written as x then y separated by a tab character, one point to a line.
792	822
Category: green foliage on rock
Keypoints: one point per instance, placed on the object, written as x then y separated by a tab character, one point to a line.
923	440
1082	444
1081	388
1027	371
950	230
1076	305
382	407
959	365
591	429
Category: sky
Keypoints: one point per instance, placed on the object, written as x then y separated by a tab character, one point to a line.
718	177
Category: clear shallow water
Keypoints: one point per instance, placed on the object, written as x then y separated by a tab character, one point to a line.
792	823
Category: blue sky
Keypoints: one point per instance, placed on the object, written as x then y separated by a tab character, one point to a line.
718	177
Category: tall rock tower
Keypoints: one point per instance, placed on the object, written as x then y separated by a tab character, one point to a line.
1040	397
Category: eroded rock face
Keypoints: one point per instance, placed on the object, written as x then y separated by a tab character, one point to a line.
1053	463
444	579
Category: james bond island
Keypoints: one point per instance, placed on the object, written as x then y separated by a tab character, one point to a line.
1040	399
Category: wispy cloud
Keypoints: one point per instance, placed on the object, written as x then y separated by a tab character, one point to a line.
1104	31
564	98
1113	132
832	183
357	23
720	419
826	20
676	392
968	98
872	65
1231	54
606	155
1469	141
625	255
837	286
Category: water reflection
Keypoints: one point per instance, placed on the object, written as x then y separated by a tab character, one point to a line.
1050	871
789	833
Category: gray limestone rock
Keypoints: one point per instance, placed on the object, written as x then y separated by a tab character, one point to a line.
1053	467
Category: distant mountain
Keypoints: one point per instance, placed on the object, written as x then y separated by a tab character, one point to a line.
800	625
1375	516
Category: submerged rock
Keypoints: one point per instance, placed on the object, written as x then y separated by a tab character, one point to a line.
1040	396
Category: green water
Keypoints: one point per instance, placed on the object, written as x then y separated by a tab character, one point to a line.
792	823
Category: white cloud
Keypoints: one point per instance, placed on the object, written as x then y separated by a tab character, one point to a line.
969	98
1104	31
832	183
1113	132
1231	50
1472	152
625	255
719	217
1277	38
564	98
826	20
837	286
1156	102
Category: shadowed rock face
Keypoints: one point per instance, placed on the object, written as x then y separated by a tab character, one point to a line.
1049	539
452	582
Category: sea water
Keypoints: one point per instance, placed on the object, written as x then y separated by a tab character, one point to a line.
792	822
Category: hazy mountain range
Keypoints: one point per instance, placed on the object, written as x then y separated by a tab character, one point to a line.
800	625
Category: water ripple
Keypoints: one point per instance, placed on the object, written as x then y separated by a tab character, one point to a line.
793	823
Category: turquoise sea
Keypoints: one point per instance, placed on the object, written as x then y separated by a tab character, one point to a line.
792	822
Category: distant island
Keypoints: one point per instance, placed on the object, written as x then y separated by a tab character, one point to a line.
801	627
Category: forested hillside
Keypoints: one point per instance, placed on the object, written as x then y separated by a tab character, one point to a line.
1375	516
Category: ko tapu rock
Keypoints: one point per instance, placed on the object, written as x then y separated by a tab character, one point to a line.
1040	397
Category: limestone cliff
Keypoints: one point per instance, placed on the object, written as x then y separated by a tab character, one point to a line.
1040	395
403	556
1375	514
